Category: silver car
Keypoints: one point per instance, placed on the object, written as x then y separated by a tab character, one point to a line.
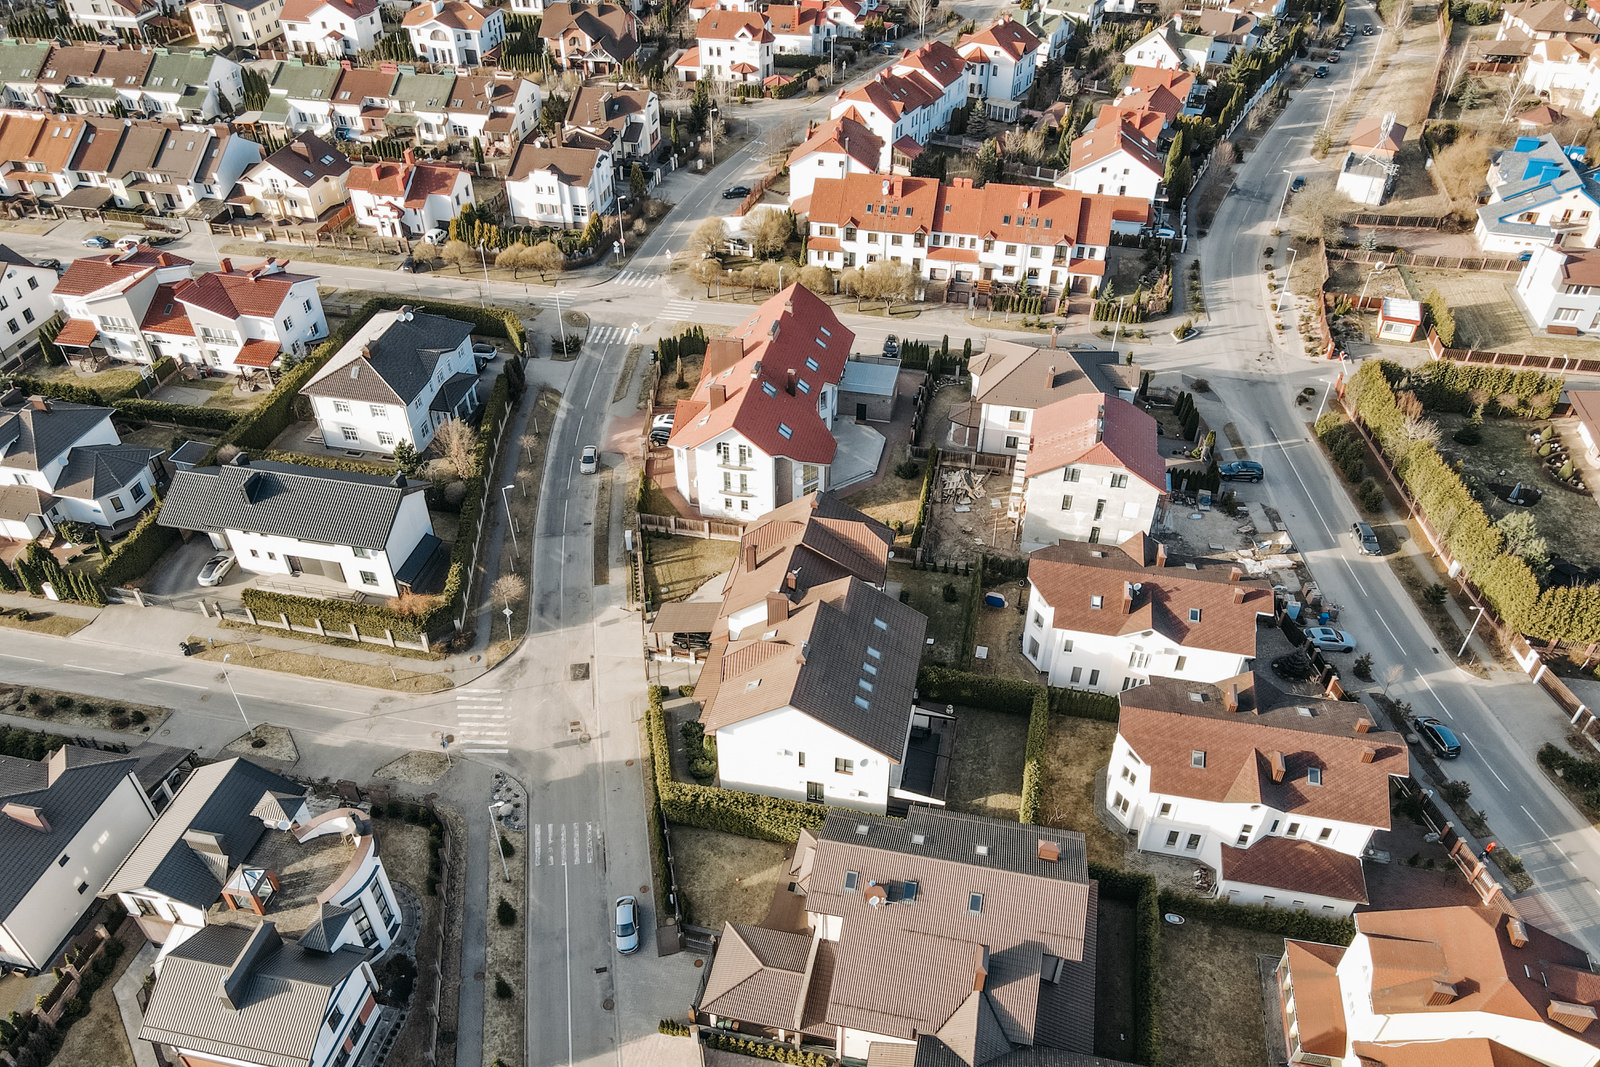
590	461
1330	640
216	568
625	926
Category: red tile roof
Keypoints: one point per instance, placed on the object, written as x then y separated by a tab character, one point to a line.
793	334
166	313
1097	428
1010	36
414	181
936	60
302	10
1105	140
77	333
731	25
789	19
94	273
257	291
1319	1009
456	14
1296	867
257	353
1179	82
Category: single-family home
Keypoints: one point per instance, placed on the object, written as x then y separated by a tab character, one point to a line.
1112	615
1117	158
628	118
242	320
1566	73
302	181
1546	20
168	168
730	46
1586	410
358	532
339	29
551	185
799	30
1010	381
66	822
457	33
1277	793
834	149
62	462
1229	32
1559	289
1001	60
499	109
300	98
363	101
1092	472
1181	84
228	24
407	199
21	63
698	8
760	429
848	17
1055	239
910	101
106	298
1168	47
26	304
397	380
119	18
1461	985
1538	194
594	38
419	106
937	940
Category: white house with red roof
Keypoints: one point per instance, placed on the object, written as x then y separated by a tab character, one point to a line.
105	300
834	149
909	102
1117	158
698	9
246	320
760	428
1146	85
407	199
730	46
1559	289
457	33
1054	238
334	28
27	289
847	17
1092	472
799	30
1277	792
1001	60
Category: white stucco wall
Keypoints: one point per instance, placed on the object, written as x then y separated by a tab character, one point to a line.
1133	657
1126	510
762	755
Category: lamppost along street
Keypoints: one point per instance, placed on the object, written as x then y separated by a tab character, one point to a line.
495	830
225	677
1475	623
511	520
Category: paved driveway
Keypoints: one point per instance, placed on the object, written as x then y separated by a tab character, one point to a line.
178	573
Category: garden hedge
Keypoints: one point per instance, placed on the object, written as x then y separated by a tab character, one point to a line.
336	615
136	554
1299	925
71	392
1033	759
1140	891
218	419
332	463
763	1050
927	492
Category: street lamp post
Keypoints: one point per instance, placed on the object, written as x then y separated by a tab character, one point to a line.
712	129
225	677
510	519
1288	187
622	225
1475	623
1287	275
495	832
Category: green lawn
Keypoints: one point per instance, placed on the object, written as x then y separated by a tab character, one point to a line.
947	621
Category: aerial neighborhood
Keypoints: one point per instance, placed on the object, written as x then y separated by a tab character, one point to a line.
844	532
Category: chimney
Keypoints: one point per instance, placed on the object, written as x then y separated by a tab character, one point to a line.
1444	992
1517	932
1161	554
750	556
1127	598
1368	755
410	157
39	403
242	459
789	384
1050	379
777	608
227	265
1049	851
1235	573
27	815
980	967
1238	594
1363	725
212	850
398	481
164	259
1277	767
718	394
1230	698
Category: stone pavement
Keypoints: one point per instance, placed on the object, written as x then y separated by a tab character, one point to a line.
127	993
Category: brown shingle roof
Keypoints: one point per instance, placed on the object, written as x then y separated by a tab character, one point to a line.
759	974
817	536
1011	373
1296	867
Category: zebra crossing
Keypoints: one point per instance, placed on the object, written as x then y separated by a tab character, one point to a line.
636	278
609	335
564	844
559	301
677	309
482	722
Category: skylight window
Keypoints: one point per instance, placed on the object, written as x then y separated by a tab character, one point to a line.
863	703
784	431
851	880
805	386
1197	758
880	624
974	903
1194	614
908	893
820	344
752	684
1314	775
870	669
769	388
862	683
825	331
812	364
1096	601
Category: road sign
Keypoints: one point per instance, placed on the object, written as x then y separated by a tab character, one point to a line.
615	247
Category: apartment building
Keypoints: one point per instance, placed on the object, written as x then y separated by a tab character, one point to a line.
1092	472
226	24
1001	60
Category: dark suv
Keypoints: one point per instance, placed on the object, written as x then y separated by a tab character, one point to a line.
1366	540
1439	737
1242	470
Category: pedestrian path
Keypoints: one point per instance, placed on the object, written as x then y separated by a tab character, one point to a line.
482	722
559	301
563	844
637	279
610	335
677	309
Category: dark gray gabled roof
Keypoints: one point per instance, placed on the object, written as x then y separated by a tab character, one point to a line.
324	933
31	439
314	504
217	799
68	787
391	359
280	995
95	470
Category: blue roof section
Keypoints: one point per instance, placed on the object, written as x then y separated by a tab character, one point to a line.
872	379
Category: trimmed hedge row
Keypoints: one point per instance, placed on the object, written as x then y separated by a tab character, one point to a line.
493	321
218	419
1033	760
762	1050
136	554
332	463
1140	891
1077	704
947	686
927	492
336	615
1300	925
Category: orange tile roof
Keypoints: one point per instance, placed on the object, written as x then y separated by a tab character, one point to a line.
77	333
731	25
1007	34
1296	867
1319	1009
94	273
257	291
259	352
845	136
35	138
1451	1052
1104	141
789	19
359	83
457	14
1368	136
166	313
937	61
414	181
1179	83
1100	429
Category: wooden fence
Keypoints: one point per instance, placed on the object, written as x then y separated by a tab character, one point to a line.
1397	222
674	526
1409	259
1492	68
757	192
1567	365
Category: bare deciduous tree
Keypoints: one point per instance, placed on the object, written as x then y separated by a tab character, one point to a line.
1454	71
512	257
545	257
769	229
707	272
457	443
891	282
920	11
458	254
817	279
709	237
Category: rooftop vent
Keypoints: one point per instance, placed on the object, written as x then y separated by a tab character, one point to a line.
1049	851
28	815
1575	1017
862	828
1304	711
982	850
919	839
1198	698
1445	992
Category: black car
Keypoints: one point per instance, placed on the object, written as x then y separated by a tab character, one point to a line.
1366	540
738	192
48	264
1243	470
1439	737
891	346
1367	31
411	265
156	240
1320	72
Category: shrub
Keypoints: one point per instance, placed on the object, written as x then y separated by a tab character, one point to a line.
927	491
1435	595
1370	496
137	716
504	913
951	594
220	420
1456	792
507	849
1363	667
703	768
64	702
502	989
673	1028
1302	926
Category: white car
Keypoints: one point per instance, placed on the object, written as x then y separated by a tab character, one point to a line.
625	927
590	462
1330	640
216	568
436	236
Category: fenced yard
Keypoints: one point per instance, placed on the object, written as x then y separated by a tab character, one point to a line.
986	767
1211	1002
1488	318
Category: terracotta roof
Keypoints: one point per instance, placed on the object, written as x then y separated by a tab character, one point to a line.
571	166
257	353
457	14
356	84
413	181
816	538
1296	867
77	333
792	335
1068	576
36	138
303	10
690	58
1007	34
935	60
1107	139
731	25
1180	83
1159	99
90	275
792	20
1543	115
1580	266
1165	727
1100	429
607	106
1013	374
894	94
1318	1007
1451	1052
609	26
257	291
1368	137
166	313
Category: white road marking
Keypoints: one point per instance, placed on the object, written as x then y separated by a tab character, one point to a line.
538	844
169	681
1486	763
29	659
97	670
1542	833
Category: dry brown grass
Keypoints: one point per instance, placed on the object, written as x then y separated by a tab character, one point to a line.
724	878
13	701
44	622
506	955
1080	748
1000	632
311	665
1461	167
602	529
99	1037
1211	1008
404	848
677	566
893	499
986	766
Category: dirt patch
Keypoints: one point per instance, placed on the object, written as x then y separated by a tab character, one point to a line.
947	620
313	665
986	766
679	379
893	500
271	742
505	956
629	366
418	768
440	530
1000	636
1487	317
657	502
405	852
1113	981
676	566
42	622
99	1037
1211	1009
86	712
725	878
601	555
1079	749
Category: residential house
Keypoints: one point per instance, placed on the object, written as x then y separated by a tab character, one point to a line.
1229	32
191	86
1117	158
1567	73
241	320
228	24
37	150
397	380
106	297
809	683
1180	84
458	33
26	304
1053	238
421	106
551	185
1463	985
847	17
118	18
909	102
1538	195
798	30
995	920
627	118
95	79
730	46
407	199
594	38
838	147
66	822
63	462
21	63
1559	289
1369	168
1001	60
1093	472
171	169
1168	47
760	429
339	29
1277	793
499	110
1085	13
1546	20
357	532
698	8
363	103
301	181
1010	381
1112	616
300	99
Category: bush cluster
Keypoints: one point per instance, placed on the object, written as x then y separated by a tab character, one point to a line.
761	1050
1343	443
927	493
220	420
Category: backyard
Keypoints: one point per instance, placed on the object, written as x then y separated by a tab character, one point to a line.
1211	1004
1113	986
1000	637
676	566
947	619
894	499
725	878
1080	749
1486	315
986	766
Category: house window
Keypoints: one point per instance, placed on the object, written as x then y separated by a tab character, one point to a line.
379	411
341	406
1071	474
1099	509
349	433
1327	832
1033	648
146	907
27	314
1077	673
1172	839
844	766
1011	442
288	322
1566	314
1066	503
1119	481
1016	416
851	880
369	578
116	503
1197	758
1193	843
136	490
335	1017
1094	678
385	437
1182	660
802	757
384	911
1094	535
364	928
62	862
974	903
1096	601
1244	836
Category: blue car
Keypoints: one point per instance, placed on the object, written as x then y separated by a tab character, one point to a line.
1439	737
1242	470
96	242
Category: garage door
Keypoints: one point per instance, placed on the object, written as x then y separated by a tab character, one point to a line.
325	567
